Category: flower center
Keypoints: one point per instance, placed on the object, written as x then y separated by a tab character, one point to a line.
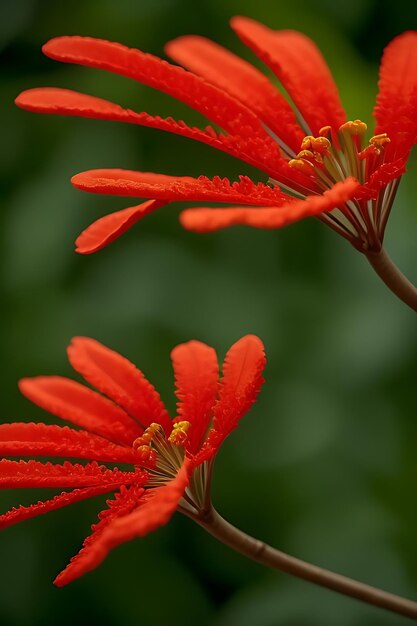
329	159
161	455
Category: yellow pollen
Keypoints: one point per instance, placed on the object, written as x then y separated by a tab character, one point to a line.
320	144
326	130
357	127
306	142
179	433
146	454
305	154
379	140
302	166
147	435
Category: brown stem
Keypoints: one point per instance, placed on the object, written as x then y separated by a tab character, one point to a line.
265	554
393	278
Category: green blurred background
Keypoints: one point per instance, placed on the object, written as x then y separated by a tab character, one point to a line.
325	465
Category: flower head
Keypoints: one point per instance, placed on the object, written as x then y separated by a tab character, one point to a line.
126	422
318	163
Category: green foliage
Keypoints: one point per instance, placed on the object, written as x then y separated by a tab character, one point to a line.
325	464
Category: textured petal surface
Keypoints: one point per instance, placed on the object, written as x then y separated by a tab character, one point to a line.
21	513
23	474
300	67
28	439
242	80
214	103
118	378
108	228
196	375
203	220
130	519
254	150
239	388
76	403
171	188
396	105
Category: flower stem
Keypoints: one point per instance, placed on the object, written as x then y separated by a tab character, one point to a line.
265	554
393	278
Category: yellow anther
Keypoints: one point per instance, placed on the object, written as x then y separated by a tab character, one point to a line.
306	142
178	437
320	144
325	131
147	435
145	454
305	154
302	165
379	140
357	127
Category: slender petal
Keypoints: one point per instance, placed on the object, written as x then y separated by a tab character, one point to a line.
21	513
196	376
239	388
130	518
76	403
204	220
108	228
396	104
300	67
214	103
29	439
51	100
120	380
242	80
23	474
172	188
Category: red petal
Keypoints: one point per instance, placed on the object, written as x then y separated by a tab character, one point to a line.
21	513
22	474
204	220
28	439
196	376
118	378
380	178
172	188
108	228
149	70
300	67
77	404
66	102
396	107
242	80
154	510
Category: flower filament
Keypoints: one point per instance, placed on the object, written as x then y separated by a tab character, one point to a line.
331	158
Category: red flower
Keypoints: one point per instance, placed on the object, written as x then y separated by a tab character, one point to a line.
127	423
318	163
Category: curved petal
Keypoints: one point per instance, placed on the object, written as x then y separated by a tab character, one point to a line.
196	376
133	517
300	67
396	104
239	388
172	188
29	439
116	377
254	150
204	220
215	104
21	513
76	403
242	80
108	228
23	474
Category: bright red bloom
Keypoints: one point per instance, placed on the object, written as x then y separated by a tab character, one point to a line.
318	163
126	422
